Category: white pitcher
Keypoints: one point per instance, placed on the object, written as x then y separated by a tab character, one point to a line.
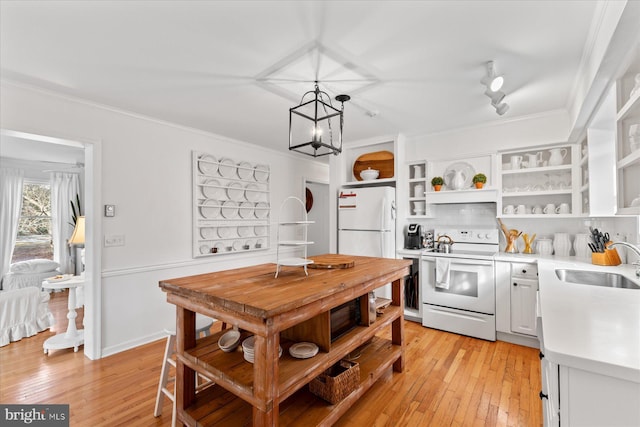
556	156
417	171
533	160
458	180
516	162
418	190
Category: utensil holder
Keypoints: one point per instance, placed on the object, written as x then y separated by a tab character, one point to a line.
608	257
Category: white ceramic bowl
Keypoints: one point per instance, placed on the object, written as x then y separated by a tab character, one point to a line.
369	174
229	341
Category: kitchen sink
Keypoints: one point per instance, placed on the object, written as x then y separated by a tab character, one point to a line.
596	278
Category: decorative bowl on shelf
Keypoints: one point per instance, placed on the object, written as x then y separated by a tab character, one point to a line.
229	341
369	174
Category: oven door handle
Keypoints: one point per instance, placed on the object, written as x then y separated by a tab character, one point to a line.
463	261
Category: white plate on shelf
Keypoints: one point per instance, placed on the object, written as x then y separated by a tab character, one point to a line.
208	166
235	191
245	231
260	230
303	350
219	247
459	167
245	170
237	245
208	233
252	193
210	209
227	232
211	189
261	173
227	168
205	249
262	210
230	209
246	210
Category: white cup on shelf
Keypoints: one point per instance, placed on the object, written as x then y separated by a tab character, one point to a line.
537	210
549	209
521	210
509	210
564	208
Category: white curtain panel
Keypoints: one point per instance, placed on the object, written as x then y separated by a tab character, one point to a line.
11	193
64	187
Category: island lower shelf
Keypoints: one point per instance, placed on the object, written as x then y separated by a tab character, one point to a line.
232	372
215	405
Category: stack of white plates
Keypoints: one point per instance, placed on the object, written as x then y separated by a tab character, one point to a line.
247	349
303	350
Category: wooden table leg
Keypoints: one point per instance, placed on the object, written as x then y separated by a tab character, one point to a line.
185	377
397	327
265	379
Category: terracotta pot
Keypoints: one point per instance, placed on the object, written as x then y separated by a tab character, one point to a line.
479	184
437	187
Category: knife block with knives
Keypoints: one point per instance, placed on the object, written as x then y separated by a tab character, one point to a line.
608	257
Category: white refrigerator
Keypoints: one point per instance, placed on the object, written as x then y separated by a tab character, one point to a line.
367	224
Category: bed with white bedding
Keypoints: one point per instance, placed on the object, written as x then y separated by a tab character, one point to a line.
29	273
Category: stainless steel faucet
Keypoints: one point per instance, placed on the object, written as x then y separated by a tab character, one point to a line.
634	249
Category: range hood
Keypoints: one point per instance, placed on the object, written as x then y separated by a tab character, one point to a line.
486	194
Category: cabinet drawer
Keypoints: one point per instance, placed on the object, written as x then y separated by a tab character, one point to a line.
526	270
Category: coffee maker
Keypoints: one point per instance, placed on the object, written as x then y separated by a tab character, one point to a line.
413	238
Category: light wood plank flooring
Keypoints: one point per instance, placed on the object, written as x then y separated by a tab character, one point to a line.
450	380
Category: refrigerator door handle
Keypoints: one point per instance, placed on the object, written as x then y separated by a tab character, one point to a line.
383	211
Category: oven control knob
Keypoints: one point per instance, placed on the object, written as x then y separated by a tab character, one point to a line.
479	235
487	236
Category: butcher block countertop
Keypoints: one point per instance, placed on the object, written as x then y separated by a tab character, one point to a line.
254	291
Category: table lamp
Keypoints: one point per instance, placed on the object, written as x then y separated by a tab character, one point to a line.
77	238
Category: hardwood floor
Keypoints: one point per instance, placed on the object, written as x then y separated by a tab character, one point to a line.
449	380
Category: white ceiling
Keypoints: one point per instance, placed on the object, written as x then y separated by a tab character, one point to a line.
234	68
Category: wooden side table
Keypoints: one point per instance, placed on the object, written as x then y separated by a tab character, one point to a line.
72	337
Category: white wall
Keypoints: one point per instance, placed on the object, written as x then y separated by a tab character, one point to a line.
146	173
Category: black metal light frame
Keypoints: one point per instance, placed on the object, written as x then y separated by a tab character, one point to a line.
322	110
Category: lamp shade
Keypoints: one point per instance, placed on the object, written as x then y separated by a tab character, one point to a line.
77	238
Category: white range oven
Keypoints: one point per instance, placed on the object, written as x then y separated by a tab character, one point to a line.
458	287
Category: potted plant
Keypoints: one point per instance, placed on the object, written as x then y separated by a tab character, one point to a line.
437	182
479	180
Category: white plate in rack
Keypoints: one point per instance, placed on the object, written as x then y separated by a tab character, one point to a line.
261	173
246	210
227	168
252	193
245	231
205	249
237	245
227	232
235	191
208	233
262	210
245	170
260	230
211	189
230	209
207	165
210	209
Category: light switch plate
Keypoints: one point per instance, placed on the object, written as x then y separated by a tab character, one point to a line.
109	210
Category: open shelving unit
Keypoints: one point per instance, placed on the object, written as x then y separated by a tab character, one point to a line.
302	243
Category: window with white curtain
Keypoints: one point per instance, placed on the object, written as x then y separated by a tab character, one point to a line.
34	238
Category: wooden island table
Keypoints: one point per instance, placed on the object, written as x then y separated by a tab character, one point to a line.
279	312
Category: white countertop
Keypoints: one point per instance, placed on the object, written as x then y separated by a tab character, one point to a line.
594	328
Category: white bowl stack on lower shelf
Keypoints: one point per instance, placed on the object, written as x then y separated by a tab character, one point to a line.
248	351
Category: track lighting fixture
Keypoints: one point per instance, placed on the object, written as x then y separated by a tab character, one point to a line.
493	83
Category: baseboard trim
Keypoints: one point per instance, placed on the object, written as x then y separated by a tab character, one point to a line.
518	339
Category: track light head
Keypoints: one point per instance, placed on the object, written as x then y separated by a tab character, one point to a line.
501	108
492	80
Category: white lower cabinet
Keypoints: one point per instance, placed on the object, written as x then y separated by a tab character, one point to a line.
550	393
516	288
524	286
590	399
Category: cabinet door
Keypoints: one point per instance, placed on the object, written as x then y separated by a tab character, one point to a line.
523	305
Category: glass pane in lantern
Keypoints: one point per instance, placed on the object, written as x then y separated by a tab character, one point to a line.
315	132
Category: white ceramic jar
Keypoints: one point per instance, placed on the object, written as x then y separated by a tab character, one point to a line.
561	244
544	247
580	246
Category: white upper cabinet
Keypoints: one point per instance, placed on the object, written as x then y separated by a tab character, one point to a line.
628	135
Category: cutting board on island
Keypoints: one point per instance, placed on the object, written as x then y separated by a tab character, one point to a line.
331	261
380	160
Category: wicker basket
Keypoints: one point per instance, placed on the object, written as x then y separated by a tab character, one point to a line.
337	382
